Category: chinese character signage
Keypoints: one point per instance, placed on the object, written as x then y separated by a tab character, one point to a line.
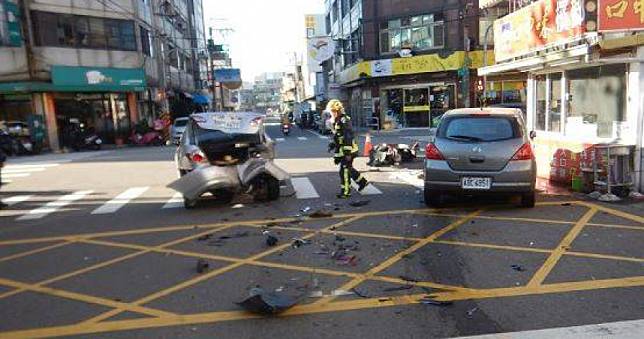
621	15
541	24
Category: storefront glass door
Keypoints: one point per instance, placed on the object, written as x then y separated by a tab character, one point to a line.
416	107
442	98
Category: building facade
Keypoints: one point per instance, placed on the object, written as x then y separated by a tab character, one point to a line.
267	92
106	64
403	63
585	80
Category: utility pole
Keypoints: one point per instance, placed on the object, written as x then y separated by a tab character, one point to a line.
27	29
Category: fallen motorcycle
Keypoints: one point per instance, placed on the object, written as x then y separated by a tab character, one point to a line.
392	154
151	138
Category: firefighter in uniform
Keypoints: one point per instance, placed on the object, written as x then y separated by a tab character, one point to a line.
345	149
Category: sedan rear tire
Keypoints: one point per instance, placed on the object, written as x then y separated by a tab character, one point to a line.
528	200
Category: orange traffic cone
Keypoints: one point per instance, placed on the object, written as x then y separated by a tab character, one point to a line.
367	146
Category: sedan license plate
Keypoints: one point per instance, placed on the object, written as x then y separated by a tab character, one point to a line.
476	183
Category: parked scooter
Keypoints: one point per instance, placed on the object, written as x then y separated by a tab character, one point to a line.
286	129
15	145
151	138
84	139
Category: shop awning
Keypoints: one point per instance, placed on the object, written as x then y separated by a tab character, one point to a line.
200	99
536	63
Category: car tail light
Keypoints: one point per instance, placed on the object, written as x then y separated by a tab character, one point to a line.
255	122
524	153
432	153
197	157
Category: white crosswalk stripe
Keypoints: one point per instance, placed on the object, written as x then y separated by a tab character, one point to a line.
16	199
15	175
279	139
53	206
175	202
120	200
302	138
369	190
304	188
23	170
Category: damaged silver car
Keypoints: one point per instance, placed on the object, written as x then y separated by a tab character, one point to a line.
225	153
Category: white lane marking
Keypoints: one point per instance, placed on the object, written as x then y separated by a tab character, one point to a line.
175	202
621	329
302	138
410	178
16	199
26	166
319	135
23	170
54	206
369	190
304	188
120	200
279	139
15	175
6	181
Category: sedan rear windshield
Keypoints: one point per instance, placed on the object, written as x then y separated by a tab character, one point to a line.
180	123
475	129
212	136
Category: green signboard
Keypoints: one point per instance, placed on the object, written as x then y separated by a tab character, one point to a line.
10	16
97	79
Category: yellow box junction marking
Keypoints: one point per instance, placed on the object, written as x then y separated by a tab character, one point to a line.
446	292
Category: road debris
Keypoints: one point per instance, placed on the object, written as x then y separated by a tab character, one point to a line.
471	312
334	293
360	293
221	240
271	240
202	265
321	214
518	268
398	288
267	303
359	203
429	300
299	242
305	209
408	279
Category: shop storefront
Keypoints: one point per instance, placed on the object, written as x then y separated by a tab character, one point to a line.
583	90
417	105
103	100
412	91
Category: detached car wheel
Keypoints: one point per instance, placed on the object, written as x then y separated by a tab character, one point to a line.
268	189
432	198
528	200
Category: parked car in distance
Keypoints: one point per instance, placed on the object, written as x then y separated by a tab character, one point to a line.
323	126
480	152
177	129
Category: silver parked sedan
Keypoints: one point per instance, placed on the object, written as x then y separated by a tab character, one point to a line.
480	151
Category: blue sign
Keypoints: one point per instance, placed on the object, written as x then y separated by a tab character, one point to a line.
228	75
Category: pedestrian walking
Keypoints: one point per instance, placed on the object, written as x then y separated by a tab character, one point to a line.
345	149
3	159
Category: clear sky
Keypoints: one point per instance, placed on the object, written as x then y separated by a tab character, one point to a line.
267	32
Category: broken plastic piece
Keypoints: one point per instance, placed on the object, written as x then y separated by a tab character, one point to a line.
202	266
271	240
299	242
268	303
518	268
321	214
431	301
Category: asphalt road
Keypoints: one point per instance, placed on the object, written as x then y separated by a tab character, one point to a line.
95	245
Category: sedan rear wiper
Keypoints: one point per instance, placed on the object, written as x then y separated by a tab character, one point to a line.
464	137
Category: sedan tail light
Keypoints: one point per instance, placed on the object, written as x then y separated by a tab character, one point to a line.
432	153
524	153
197	157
